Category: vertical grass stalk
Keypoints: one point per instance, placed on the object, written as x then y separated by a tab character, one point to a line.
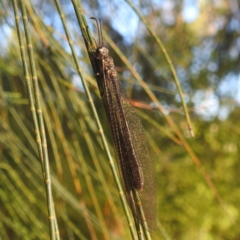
165	53
34	99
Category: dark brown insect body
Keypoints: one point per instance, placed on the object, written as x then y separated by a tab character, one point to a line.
137	167
116	104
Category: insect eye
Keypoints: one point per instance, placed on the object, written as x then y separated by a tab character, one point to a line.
99	50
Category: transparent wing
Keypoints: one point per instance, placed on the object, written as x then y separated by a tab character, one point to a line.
128	133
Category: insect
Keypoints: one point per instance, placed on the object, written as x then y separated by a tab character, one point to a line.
136	165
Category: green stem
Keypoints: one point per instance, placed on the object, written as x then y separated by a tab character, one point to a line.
38	121
142	219
165	53
90	44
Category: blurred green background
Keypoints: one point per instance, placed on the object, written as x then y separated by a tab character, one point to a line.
198	178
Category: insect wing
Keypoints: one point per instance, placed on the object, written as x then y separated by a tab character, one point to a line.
120	111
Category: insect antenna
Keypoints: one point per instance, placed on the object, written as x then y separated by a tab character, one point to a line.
101	36
99	28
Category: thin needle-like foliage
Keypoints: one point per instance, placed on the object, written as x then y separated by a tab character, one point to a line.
58	174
